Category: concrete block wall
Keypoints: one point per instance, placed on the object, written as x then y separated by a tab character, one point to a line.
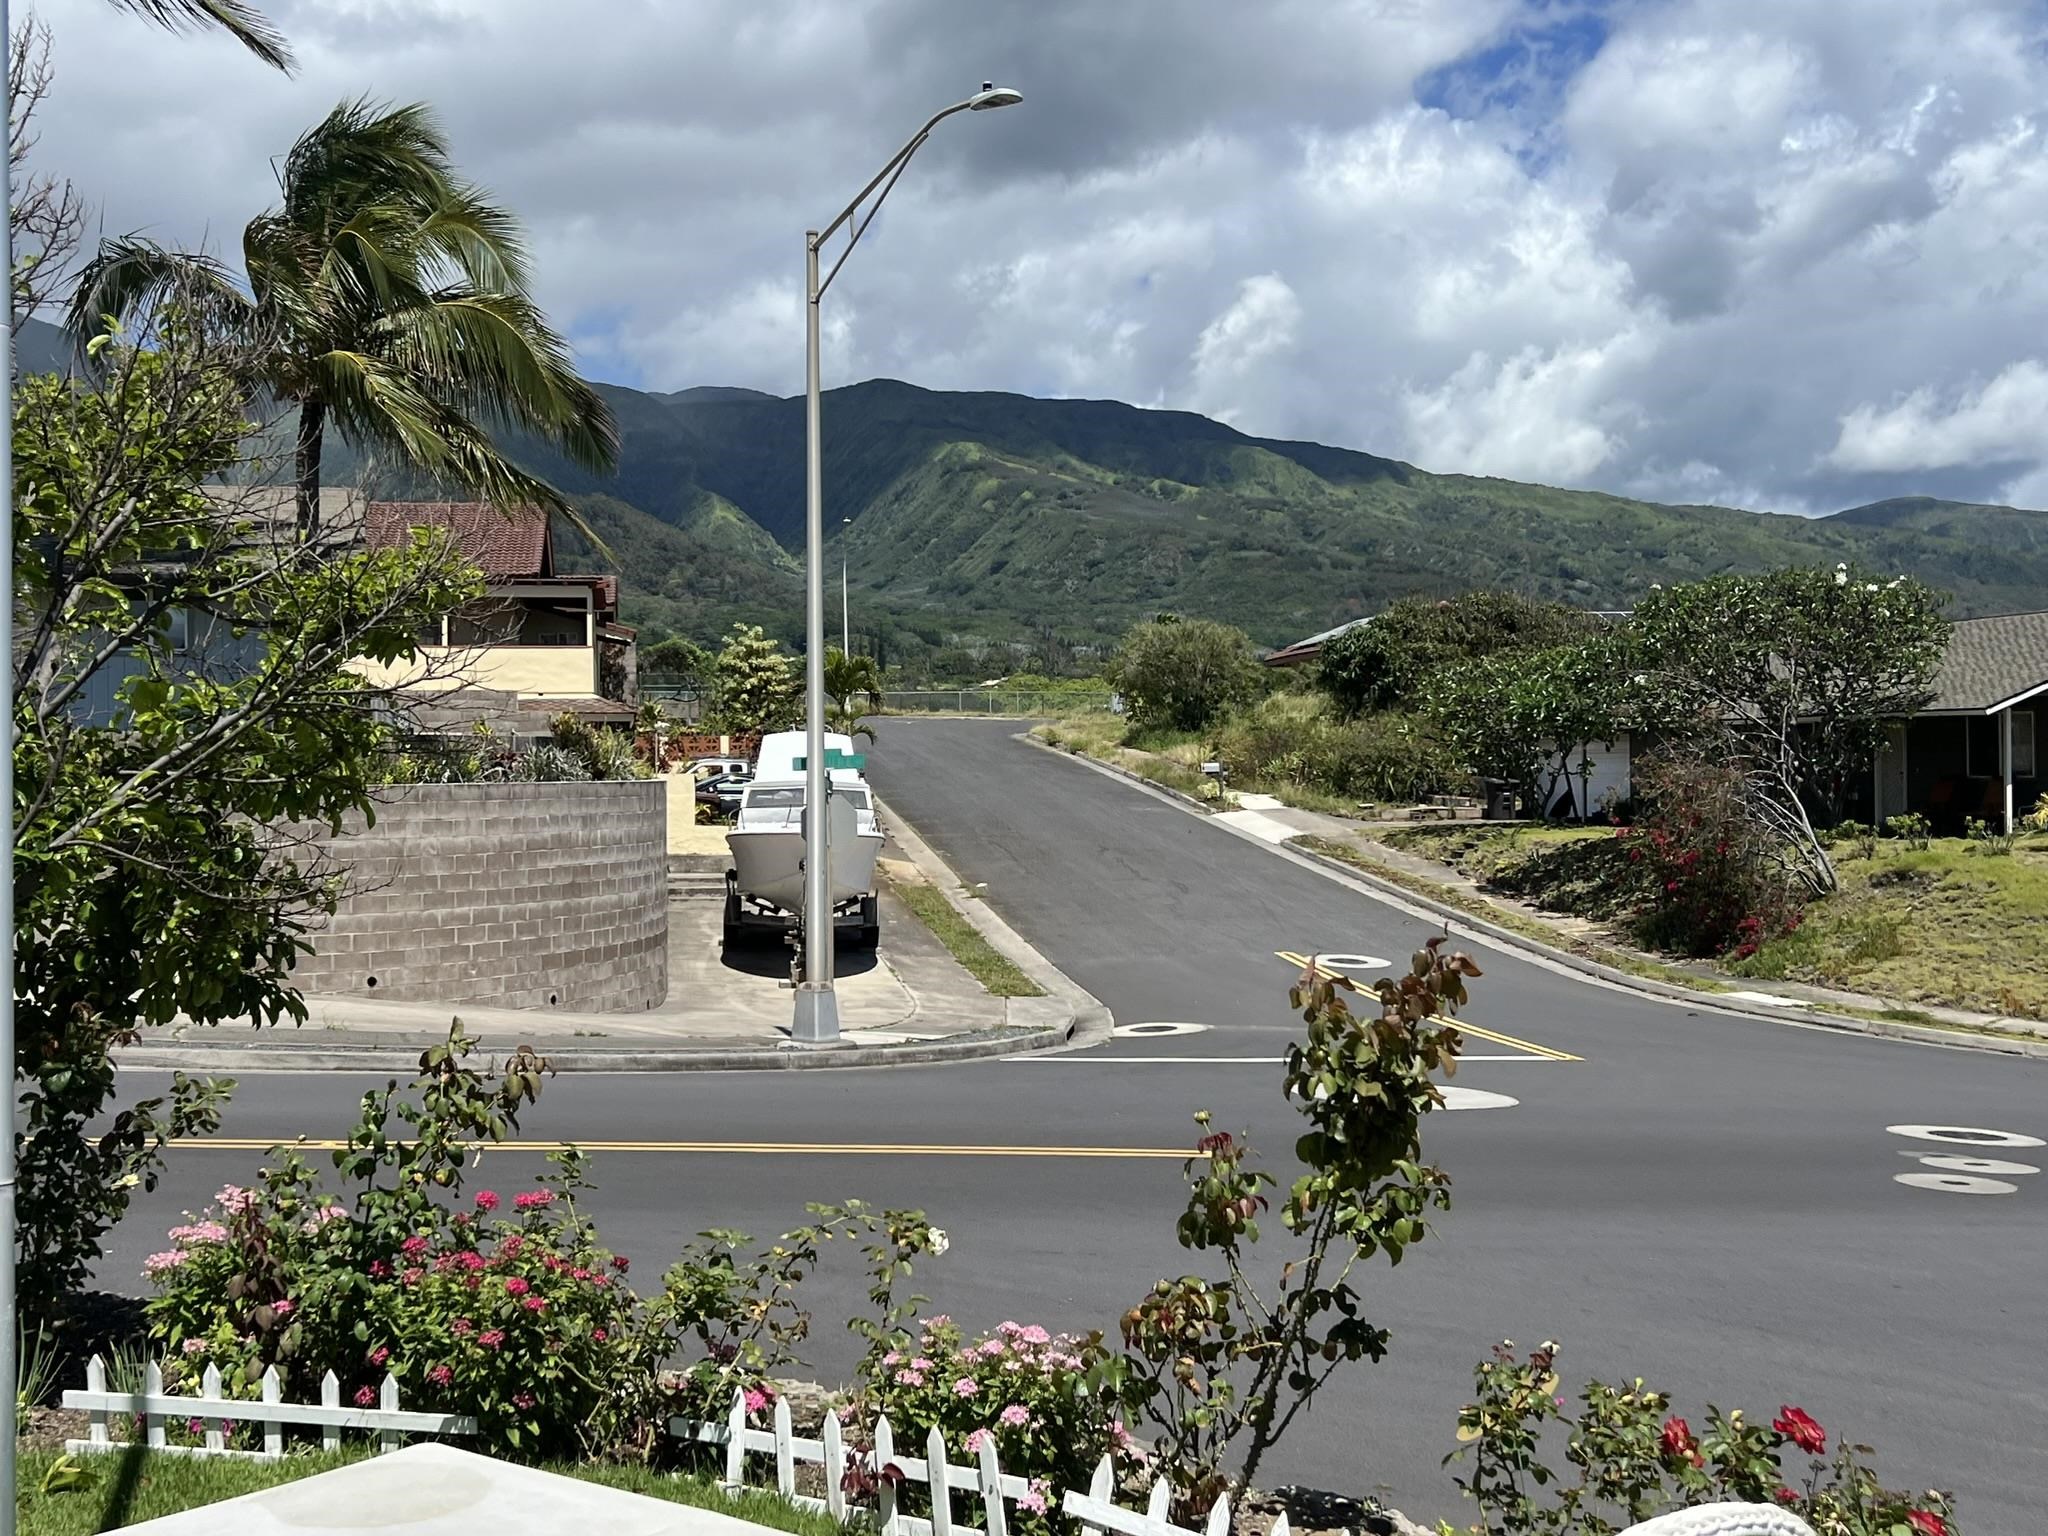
515	895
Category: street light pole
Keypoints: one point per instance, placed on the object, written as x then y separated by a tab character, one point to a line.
845	613
816	1020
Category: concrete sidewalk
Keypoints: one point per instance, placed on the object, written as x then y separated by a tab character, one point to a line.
909	1003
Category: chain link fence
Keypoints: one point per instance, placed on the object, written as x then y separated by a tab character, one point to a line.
989	701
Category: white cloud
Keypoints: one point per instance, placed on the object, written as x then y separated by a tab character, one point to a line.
1766	251
1998	423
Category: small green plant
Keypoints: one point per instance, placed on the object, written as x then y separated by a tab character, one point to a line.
1629	1458
1912	829
1990	843
1215	1362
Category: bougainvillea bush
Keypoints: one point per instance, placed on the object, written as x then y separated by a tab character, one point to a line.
1628	1457
1035	1395
1706	879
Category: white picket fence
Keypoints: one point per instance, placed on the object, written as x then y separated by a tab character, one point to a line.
156	1408
986	1482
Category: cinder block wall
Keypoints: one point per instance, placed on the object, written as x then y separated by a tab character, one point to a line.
517	895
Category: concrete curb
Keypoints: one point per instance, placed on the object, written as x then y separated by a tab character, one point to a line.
1089	1022
283	1057
1884	1028
1207	808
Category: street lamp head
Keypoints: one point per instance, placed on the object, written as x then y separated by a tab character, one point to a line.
993	95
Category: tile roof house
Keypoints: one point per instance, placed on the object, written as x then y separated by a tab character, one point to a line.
549	641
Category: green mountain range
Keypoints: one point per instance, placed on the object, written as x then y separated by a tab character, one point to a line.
1001	517
978	522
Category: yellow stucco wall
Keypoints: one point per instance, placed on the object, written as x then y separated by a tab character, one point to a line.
538	671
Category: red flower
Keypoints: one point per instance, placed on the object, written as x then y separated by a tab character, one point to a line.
621	1263
487	1200
1798	1426
1679	1443
1926	1522
535	1303
366	1397
516	1287
1786	1496
440	1375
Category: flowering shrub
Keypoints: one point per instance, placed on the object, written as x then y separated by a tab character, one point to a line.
1631	1459
1705	881
1032	1393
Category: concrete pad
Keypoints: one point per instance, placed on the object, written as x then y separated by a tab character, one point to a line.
437	1490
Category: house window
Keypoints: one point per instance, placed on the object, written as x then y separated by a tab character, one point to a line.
1981	758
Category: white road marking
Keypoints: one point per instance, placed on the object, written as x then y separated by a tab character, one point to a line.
1766	999
1967	1135
1976	1165
1957	1184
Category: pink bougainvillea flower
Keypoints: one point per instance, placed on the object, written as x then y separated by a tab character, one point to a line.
1798	1426
1016	1415
966	1386
487	1200
366	1397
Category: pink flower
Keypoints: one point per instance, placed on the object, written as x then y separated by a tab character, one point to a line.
162	1263
462	1327
1016	1415
966	1386
599	1335
509	1249
366	1397
487	1200
413	1247
621	1263
471	1260
1010	1330
579	1273
516	1287
534	1199
535	1303
1033	1498
522	1399
893	1358
491	1338
193	1347
920	1364
1035	1335
930	1323
755	1400
199	1232
600	1280
909	1378
977	1440
284	1306
233	1197
379	1355
440	1375
412	1275
193	1426
379	1270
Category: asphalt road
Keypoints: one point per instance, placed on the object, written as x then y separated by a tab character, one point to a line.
1702	1199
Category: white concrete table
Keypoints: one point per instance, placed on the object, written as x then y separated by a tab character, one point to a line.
436	1490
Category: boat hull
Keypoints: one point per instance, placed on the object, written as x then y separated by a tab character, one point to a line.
770	865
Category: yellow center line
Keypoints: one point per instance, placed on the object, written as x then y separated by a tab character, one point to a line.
772	1148
1300	961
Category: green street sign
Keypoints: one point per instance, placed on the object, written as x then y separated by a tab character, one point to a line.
834	758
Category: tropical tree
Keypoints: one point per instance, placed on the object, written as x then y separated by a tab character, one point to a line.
244	23
854	685
1182	674
755	686
388	297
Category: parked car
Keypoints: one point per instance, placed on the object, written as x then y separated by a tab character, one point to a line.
722	791
713	767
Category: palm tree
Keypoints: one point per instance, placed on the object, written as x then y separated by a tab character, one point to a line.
388	298
854	684
244	23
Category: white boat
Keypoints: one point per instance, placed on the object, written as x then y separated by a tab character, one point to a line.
766	887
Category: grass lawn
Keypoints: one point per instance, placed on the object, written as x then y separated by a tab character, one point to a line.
1947	924
997	974
121	1493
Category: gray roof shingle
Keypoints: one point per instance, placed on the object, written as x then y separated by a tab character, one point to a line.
1991	660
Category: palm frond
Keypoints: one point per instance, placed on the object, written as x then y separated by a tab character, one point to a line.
247	25
131	279
480	240
366	152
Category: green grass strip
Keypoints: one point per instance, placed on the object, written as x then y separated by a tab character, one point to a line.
998	976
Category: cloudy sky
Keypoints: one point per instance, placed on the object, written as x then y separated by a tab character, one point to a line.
1789	254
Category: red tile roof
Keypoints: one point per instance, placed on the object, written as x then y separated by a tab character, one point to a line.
503	541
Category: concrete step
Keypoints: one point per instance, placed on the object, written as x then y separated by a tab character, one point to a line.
696	885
